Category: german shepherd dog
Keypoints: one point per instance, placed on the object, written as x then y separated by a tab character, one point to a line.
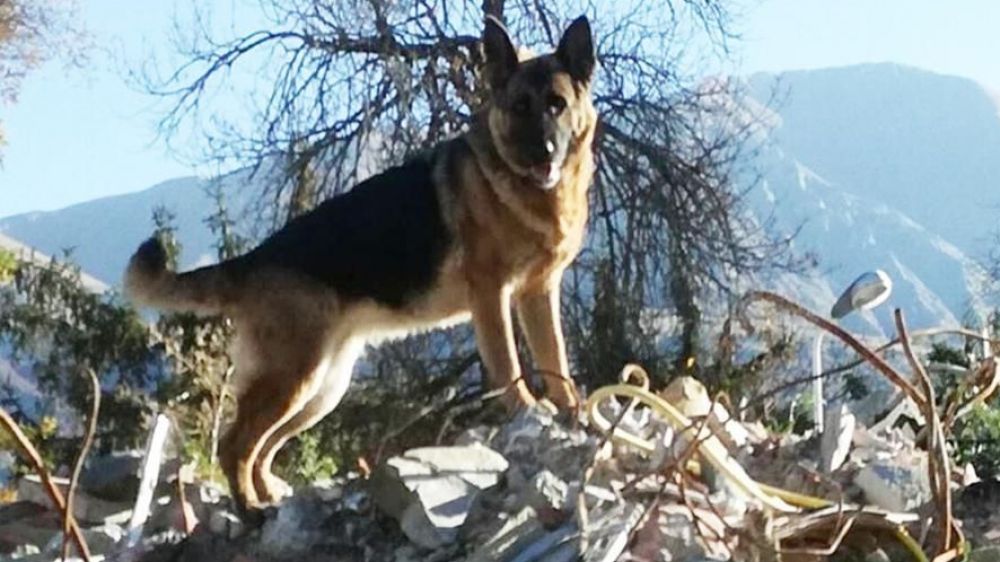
477	225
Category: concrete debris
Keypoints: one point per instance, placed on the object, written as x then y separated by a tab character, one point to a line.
86	508
899	484
546	491
430	490
988	554
537	487
116	477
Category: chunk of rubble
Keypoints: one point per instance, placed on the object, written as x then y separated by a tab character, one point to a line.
86	508
430	490
988	554
896	484
546	491
691	397
514	535
114	477
293	528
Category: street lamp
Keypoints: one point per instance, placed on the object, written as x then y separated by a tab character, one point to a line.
869	290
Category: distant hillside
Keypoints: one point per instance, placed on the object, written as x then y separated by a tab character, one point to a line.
102	234
925	144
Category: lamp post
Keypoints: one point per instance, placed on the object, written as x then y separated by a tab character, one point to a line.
869	290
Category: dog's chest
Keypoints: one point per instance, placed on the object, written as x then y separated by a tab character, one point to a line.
547	239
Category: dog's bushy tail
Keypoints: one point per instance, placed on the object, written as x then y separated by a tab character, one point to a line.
149	282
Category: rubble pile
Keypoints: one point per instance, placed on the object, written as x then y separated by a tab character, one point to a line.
544	488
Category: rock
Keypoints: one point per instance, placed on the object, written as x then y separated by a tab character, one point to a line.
691	397
900	484
514	535
328	490
478	465
688	395
100	540
608	533
522	434
201	546
86	508
19	510
877	555
35	530
479	435
7	460
430	490
561	545
441	506
988	554
295	526
546	491
903	408
838	433
24	551
114	477
203	499
979	499
969	476
225	524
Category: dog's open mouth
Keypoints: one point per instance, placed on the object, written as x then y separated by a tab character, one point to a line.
546	175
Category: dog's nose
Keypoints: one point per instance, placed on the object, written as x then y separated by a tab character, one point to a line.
550	148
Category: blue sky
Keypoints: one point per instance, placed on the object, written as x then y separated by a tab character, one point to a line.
77	135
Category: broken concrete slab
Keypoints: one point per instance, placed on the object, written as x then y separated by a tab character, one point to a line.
86	508
100	540
430	490
608	532
36	530
294	526
517	532
441	506
19	510
477	465
546	491
987	554
899	484
226	524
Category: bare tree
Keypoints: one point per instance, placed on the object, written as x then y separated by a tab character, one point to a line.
31	32
354	85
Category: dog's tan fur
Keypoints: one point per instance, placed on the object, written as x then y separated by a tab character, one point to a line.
297	340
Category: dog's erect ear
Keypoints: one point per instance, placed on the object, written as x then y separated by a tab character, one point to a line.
501	57
576	50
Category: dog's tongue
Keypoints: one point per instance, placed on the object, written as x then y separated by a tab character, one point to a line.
542	170
546	174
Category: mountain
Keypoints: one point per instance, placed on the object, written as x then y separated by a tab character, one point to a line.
882	166
102	234
890	167
925	144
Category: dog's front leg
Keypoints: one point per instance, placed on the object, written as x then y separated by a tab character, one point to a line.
538	312
491	319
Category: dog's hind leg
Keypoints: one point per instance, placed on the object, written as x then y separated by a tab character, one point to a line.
287	373
336	379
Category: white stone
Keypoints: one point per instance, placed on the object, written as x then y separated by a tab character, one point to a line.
897	485
431	489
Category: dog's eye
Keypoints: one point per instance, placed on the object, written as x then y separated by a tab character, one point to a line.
521	105
556	104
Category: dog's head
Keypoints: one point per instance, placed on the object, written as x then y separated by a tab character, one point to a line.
541	107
